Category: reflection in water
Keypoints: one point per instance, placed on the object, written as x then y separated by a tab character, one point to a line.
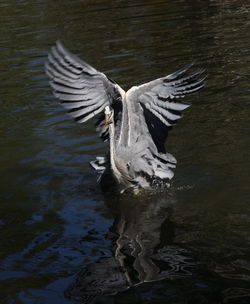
143	250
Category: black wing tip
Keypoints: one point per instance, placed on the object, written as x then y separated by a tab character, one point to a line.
60	47
181	72
61	50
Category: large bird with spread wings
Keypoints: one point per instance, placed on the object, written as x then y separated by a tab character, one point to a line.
135	123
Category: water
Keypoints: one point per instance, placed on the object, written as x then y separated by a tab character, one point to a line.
188	246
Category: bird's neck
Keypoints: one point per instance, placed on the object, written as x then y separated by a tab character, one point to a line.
125	123
112	148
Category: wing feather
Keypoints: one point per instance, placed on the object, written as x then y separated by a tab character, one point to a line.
60	56
59	67
158	115
161	94
179	72
85	117
82	90
79	111
165	113
161	98
175	106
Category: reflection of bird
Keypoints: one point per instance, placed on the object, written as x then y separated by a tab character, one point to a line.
144	250
136	122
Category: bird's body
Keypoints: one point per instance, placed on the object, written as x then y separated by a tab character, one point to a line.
135	122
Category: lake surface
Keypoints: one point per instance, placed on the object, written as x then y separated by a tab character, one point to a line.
57	228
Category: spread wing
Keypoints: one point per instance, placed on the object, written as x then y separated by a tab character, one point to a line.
82	90
160	100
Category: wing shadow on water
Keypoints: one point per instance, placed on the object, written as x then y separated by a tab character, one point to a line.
143	250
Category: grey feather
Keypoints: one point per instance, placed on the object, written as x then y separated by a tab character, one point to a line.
80	87
139	119
158	115
167	114
76	112
180	72
91	115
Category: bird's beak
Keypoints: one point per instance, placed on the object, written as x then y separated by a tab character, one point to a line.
108	119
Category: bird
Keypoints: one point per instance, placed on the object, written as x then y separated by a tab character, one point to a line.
135	122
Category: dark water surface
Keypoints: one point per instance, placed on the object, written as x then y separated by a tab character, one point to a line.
191	245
